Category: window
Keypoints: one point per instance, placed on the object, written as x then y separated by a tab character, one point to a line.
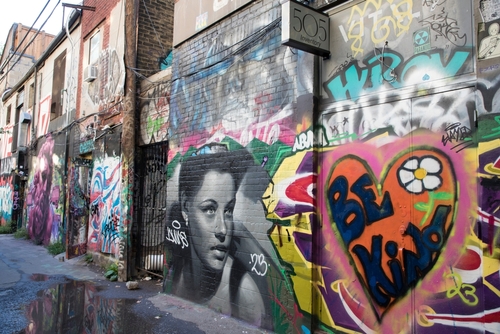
20	98
15	132
9	110
19	110
58	76
31	96
94	48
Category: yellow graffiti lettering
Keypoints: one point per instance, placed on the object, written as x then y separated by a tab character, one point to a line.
398	22
466	292
357	35
404	17
421	317
382	26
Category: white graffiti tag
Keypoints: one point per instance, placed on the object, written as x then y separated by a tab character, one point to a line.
259	264
176	236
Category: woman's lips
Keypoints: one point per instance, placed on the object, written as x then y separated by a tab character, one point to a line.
220	250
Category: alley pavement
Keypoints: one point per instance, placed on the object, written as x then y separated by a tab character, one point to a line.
27	271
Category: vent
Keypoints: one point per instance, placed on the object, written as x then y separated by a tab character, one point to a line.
90	73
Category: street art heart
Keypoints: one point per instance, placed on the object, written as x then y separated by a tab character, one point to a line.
393	230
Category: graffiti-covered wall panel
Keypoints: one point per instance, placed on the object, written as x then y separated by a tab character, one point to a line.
411	239
8	201
78	206
101	63
387	47
105	186
374	210
155	108
45	199
240	83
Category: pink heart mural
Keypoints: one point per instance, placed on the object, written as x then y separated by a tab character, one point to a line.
393	229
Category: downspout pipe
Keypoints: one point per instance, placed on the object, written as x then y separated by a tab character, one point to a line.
67	141
128	140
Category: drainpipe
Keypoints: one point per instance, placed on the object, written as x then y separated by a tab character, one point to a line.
65	217
33	128
128	140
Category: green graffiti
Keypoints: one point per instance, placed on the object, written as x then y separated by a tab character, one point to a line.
495	131
154	126
428	207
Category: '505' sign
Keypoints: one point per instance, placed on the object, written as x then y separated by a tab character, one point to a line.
305	28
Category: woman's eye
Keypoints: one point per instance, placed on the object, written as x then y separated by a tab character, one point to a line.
228	212
209	210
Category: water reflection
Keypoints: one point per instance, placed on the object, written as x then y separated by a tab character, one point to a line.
75	307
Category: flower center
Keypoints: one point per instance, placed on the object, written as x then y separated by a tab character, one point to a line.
420	173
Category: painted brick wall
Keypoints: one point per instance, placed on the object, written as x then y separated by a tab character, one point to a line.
155	33
238	99
154	103
98	133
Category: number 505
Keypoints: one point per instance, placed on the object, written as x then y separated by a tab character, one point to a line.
312	26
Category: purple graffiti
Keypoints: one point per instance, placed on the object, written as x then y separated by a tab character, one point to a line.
43	198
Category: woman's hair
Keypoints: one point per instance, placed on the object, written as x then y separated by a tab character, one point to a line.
195	167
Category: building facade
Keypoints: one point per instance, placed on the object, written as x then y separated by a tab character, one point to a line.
349	192
64	169
352	193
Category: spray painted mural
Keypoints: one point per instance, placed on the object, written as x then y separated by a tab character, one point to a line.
111	72
104	222
379	215
240	84
155	111
9	194
6	199
229	126
217	254
46	182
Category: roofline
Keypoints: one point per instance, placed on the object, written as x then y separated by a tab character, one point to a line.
11	34
52	46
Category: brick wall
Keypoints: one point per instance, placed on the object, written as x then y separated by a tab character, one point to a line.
155	32
235	91
90	20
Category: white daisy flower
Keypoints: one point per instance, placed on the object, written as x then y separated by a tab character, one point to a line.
420	174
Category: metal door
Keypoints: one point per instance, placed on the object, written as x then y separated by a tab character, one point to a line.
152	207
78	205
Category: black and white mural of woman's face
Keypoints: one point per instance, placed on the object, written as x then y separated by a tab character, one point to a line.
209	217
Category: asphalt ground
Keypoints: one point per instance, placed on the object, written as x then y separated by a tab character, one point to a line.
28	273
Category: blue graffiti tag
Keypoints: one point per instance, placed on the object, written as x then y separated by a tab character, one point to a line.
355	80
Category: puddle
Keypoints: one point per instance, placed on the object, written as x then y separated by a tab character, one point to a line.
76	307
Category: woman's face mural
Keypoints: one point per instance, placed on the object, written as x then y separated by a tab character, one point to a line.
209	216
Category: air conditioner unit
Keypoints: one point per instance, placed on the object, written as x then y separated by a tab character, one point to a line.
90	73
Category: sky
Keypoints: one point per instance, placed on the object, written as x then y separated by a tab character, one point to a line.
26	12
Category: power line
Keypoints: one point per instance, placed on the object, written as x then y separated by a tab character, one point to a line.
29	43
25	36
